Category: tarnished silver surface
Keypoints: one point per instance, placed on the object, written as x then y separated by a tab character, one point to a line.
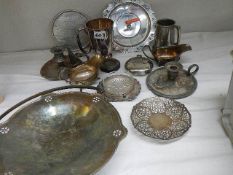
167	83
82	75
66	25
134	24
110	65
167	33
162	55
119	88
139	65
59	133
161	118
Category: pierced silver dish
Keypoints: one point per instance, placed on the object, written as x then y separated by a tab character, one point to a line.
119	88
59	132
161	118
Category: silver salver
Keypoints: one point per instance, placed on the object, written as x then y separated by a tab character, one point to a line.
65	27
134	24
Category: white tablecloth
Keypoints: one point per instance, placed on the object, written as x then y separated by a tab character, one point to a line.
205	149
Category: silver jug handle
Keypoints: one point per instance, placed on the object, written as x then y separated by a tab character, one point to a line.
44	93
144	52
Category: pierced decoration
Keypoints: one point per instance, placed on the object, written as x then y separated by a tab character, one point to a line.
119	88
96	99
4	130
161	118
117	133
48	99
56	132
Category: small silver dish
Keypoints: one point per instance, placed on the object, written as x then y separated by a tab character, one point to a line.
139	66
119	88
161	118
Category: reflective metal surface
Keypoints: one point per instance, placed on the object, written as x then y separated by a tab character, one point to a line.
57	68
119	88
63	133
139	65
134	24
167	33
82	75
100	32
66	25
161	118
172	81
166	54
96	60
52	68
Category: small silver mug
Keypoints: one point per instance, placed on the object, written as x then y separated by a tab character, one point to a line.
167	33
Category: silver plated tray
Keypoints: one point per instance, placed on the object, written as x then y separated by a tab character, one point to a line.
134	24
119	88
65	27
59	133
161	118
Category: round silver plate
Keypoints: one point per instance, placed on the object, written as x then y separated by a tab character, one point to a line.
119	88
134	24
183	86
161	118
66	25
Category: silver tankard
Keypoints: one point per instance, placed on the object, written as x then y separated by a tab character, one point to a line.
167	33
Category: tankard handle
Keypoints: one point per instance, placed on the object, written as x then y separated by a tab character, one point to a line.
193	69
177	28
44	93
80	45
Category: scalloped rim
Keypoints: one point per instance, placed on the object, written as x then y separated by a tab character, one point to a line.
162	98
150	13
133	94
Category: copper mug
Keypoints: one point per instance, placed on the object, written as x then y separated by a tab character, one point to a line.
100	34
